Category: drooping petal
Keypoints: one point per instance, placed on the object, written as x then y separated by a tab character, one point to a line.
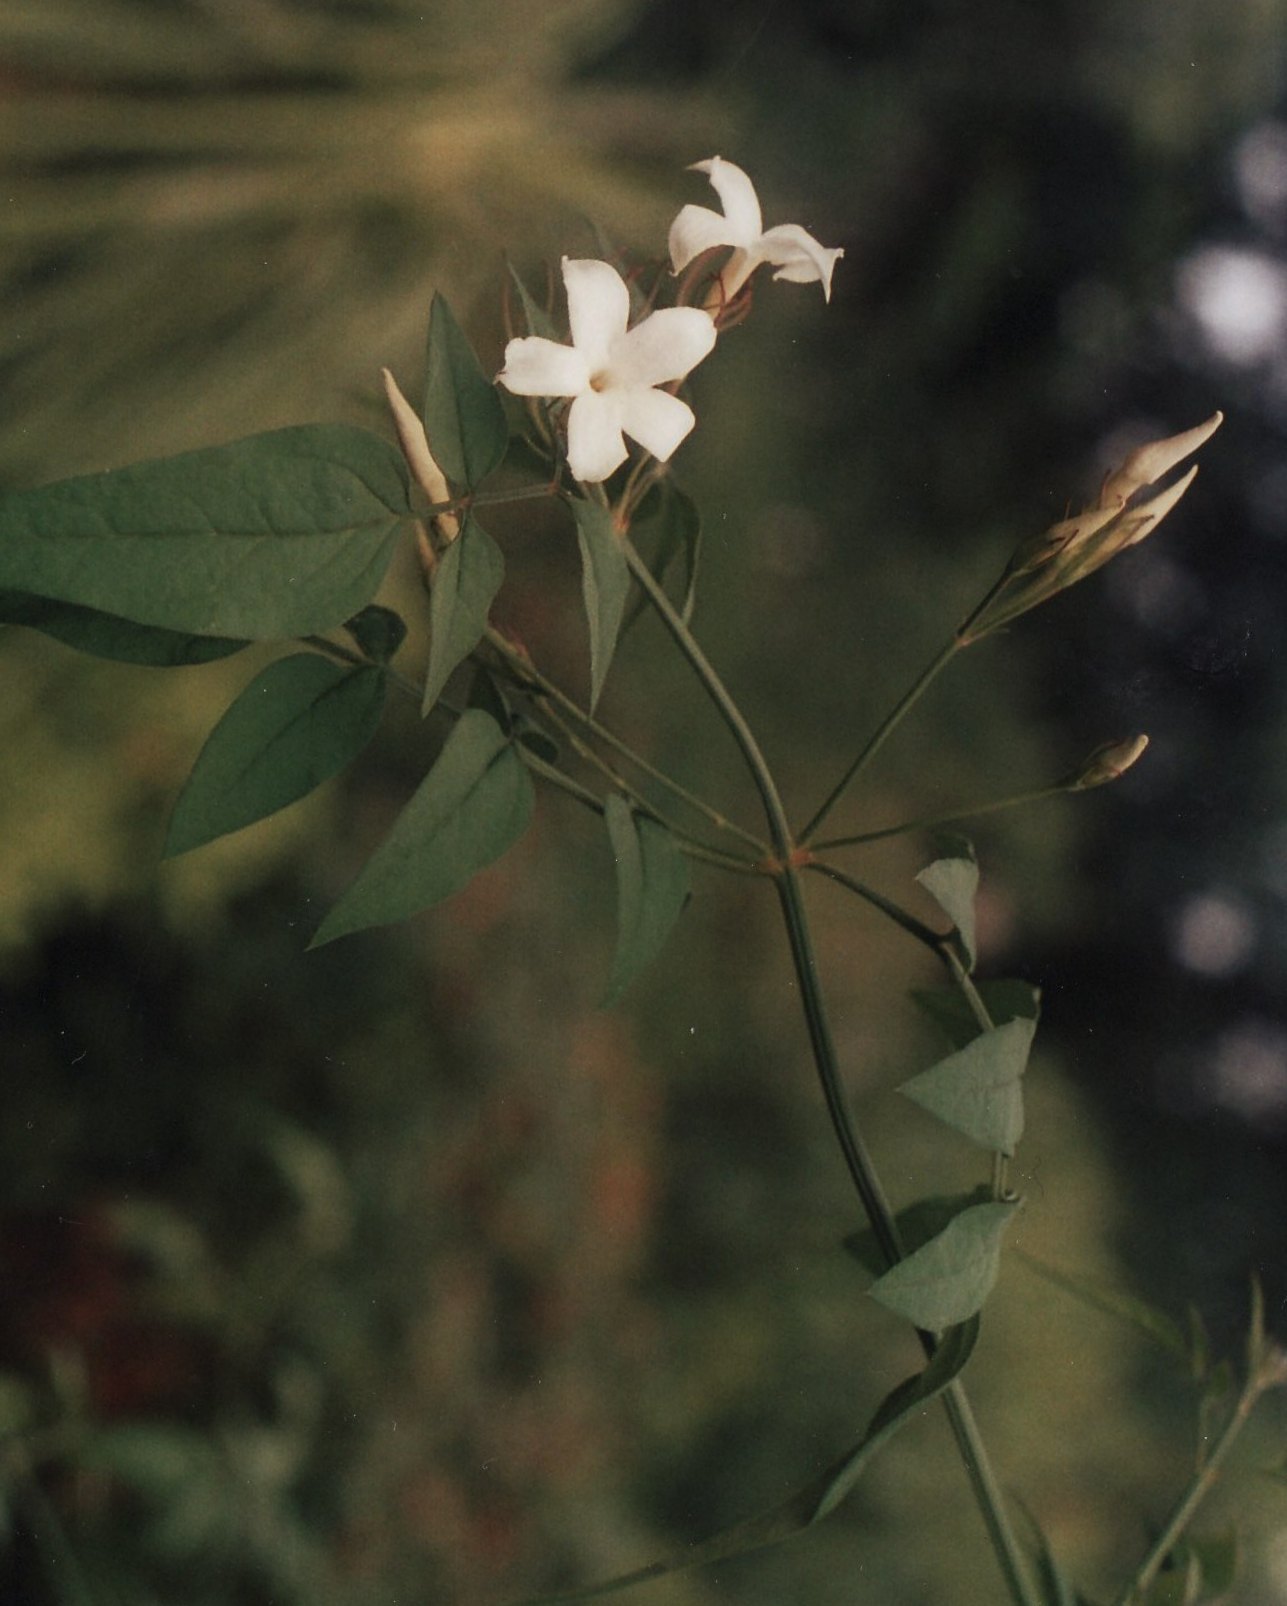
797	256
737	196
695	230
598	308
535	366
656	419
595	444
665	346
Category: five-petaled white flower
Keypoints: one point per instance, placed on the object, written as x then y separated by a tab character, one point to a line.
795	253
611	372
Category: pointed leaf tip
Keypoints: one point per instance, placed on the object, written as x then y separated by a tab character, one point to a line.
605	584
948	1280
464	416
952	883
652	889
473	805
977	1090
464	586
294	726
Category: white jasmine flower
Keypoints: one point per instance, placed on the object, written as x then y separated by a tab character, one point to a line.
611	372
795	253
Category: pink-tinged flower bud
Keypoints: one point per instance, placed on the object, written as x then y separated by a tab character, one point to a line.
1109	763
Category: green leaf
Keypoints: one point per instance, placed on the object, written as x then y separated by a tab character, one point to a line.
297	723
1154	1324
539	322
978	1090
605	581
670	525
652	888
1003	1000
917	1224
952	884
379	632
283	534
474	803
464	416
949	1279
465	583
106	636
819	1498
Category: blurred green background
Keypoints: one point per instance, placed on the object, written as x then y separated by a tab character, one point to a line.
395	1272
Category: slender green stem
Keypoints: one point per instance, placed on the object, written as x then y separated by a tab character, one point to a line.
690	844
866	1182
462	504
1199	1486
936	821
881	735
729	712
550	690
923	934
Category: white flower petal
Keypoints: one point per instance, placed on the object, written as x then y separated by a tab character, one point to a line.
695	230
665	346
598	308
656	419
595	445
535	366
798	256
737	197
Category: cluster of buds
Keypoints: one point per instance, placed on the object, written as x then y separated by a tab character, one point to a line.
1070	550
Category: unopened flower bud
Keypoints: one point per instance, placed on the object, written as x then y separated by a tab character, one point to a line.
1109	763
420	460
1148	463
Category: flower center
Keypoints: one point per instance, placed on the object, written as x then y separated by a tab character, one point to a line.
600	381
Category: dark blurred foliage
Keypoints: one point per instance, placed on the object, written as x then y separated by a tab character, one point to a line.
393	1272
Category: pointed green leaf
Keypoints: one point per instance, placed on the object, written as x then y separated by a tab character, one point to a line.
605	581
107	636
819	1498
1003	1000
952	884
1154	1324
474	804
949	1279
652	888
978	1090
917	1223
294	726
465	583
282	534
464	416
379	632
538	320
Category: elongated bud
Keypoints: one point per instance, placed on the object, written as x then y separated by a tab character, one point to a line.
1049	563
1148	463
1109	763
420	460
